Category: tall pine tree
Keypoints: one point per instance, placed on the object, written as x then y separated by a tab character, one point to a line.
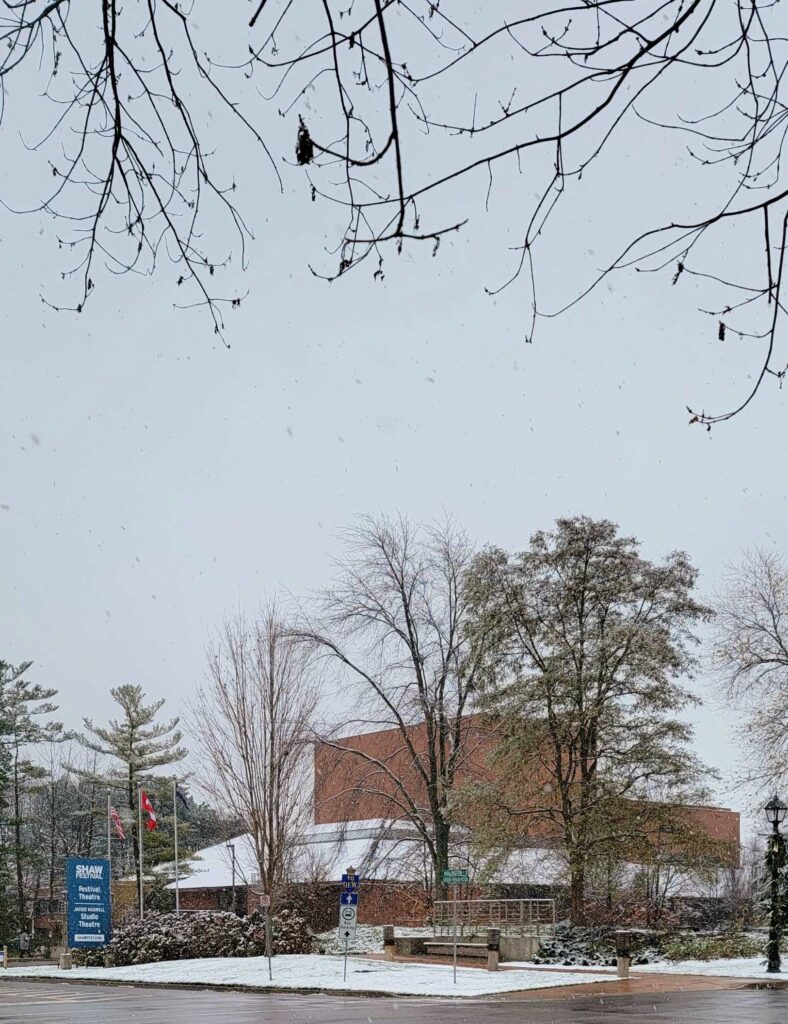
24	703
6	913
140	743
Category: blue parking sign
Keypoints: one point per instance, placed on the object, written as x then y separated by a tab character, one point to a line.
88	898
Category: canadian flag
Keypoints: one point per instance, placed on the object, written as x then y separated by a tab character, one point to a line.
147	806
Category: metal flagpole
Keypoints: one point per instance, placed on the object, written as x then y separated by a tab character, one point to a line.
109	854
175	814
139	844
109	836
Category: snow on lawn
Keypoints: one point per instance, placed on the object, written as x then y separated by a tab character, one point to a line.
736	967
369	939
320	972
741	967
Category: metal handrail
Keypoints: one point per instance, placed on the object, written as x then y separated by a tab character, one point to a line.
511	916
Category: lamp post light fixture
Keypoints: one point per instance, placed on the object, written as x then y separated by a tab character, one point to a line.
231	848
775	811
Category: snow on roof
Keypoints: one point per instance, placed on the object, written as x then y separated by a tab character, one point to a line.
375	848
379	850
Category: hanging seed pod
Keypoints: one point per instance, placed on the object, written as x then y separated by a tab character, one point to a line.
305	151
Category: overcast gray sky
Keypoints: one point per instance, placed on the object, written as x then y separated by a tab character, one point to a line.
153	481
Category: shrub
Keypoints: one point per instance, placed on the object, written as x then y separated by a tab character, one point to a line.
204	934
712	947
595	945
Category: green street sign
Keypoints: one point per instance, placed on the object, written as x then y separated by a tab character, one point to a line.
455	876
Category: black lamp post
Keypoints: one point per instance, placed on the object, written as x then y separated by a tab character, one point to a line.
775	812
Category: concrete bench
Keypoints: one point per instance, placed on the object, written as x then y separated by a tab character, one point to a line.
445	947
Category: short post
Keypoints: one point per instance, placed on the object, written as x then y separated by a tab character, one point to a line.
66	962
623	943
388	942
493	948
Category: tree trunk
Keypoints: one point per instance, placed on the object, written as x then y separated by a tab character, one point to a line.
20	880
577	892
440	860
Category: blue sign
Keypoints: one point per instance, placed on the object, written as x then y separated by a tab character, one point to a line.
348	899
350	882
88	898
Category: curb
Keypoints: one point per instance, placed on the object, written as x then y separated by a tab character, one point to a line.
770	984
195	986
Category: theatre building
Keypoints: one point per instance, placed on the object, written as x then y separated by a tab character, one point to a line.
362	820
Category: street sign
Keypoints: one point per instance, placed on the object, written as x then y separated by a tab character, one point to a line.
348	916
350	882
349	898
88	900
455	876
264	900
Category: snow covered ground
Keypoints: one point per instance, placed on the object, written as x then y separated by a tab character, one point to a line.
322	972
369	939
742	967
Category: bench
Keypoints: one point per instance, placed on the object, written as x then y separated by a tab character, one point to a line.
445	947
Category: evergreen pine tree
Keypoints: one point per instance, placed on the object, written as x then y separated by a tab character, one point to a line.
24	704
7	916
139	743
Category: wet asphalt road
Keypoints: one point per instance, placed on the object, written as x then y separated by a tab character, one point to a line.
25	1003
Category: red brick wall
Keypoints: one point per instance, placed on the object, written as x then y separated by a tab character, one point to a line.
350	787
402	903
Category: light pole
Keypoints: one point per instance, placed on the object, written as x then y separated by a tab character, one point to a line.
775	812
231	848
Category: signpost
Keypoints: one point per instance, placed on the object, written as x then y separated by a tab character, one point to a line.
264	903
454	877
348	911
88	902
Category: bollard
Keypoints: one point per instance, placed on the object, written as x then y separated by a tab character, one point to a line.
388	942
65	963
493	948
623	943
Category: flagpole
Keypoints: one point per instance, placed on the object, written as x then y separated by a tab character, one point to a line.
139	844
109	856
175	814
109	837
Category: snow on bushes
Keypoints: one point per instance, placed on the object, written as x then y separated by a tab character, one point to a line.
594	946
203	934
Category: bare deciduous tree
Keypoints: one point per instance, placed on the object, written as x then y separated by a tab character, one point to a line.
394	103
252	720
750	655
392	629
128	90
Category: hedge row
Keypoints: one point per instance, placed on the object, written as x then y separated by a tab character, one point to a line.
203	934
